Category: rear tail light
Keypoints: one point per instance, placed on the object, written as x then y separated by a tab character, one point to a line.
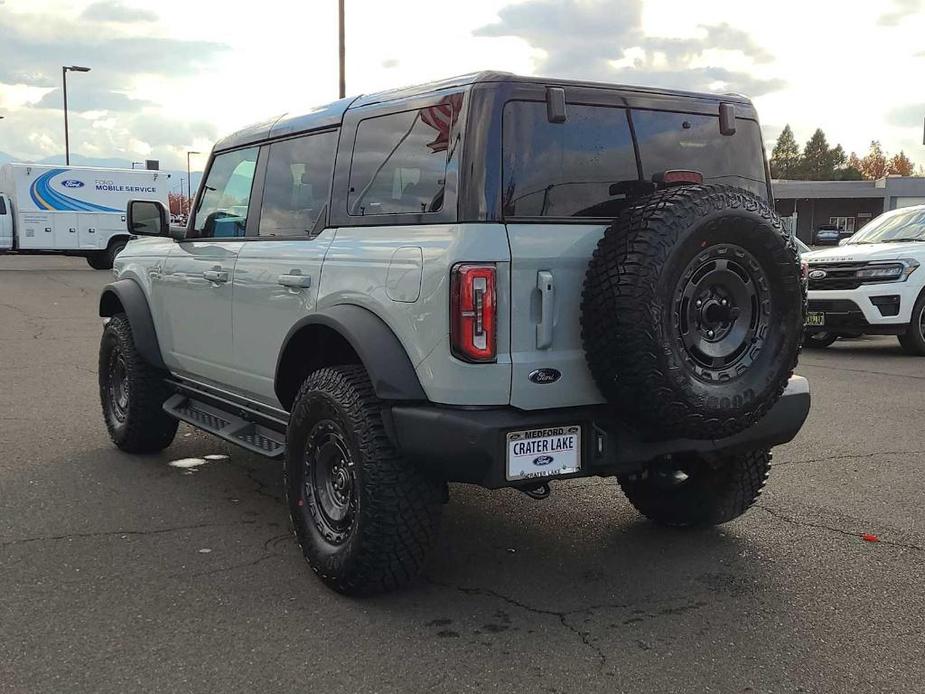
473	312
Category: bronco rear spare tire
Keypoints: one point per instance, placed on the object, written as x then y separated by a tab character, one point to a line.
692	311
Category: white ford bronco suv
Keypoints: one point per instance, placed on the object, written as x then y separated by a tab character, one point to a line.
871	284
492	279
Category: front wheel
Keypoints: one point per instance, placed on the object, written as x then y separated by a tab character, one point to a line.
693	490
913	340
364	517
132	393
819	340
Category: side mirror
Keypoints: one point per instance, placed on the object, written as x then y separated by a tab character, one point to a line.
147	218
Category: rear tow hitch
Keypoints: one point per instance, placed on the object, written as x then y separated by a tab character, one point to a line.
539	492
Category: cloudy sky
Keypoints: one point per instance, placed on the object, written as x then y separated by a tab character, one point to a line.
176	74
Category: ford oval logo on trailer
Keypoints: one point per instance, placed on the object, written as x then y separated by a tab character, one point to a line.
71	183
543	460
542	376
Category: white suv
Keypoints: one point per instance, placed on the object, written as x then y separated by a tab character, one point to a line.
871	284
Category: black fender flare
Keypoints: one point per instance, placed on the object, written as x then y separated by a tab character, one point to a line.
390	369
128	295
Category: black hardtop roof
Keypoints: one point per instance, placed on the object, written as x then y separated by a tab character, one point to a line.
331	115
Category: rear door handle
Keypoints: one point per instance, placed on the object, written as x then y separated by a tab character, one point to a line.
547	298
295	280
218	276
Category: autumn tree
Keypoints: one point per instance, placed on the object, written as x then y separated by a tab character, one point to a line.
901	165
875	164
785	157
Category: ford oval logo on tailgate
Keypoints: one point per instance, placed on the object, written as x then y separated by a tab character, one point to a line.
543	376
71	183
543	460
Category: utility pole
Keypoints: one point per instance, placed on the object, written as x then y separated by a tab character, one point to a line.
64	71
340	20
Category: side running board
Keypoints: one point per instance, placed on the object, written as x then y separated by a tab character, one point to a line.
253	437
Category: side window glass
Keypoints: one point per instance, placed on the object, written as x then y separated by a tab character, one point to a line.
222	209
2	206
297	184
584	167
399	160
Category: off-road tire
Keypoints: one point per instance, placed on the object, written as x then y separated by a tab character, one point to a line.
634	311
819	340
913	340
394	510
715	492
98	260
141	426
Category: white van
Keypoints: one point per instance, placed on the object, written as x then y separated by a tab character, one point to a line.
72	210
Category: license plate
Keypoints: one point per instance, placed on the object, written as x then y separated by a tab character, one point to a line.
543	452
815	319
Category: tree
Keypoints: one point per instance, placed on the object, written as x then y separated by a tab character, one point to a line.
819	160
177	203
785	157
901	165
874	165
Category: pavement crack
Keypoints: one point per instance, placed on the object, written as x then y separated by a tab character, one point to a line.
562	616
226	569
816	365
847	456
110	533
830	528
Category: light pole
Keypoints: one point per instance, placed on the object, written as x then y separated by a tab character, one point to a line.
64	71
189	182
340	34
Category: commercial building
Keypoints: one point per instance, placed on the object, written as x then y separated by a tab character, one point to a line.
806	205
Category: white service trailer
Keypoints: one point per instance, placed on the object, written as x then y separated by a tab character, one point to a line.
71	210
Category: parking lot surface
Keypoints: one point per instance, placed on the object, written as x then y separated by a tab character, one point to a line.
122	573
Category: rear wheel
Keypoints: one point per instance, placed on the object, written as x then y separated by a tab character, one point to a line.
364	517
132	393
693	490
913	340
114	249
819	340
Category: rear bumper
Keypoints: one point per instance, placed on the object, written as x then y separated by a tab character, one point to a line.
469	444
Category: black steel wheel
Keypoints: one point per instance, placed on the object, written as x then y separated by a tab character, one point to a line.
722	308
692	311
330	482
132	393
364	517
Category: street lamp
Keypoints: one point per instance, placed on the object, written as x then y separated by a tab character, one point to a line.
64	70
189	182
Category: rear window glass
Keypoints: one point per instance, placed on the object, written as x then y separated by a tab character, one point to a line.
688	141
399	162
566	169
586	166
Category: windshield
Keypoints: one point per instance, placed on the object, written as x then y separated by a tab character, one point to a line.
893	228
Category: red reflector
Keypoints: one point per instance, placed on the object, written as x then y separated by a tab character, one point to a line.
473	312
676	176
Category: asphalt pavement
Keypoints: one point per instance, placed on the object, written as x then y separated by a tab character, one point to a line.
126	573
